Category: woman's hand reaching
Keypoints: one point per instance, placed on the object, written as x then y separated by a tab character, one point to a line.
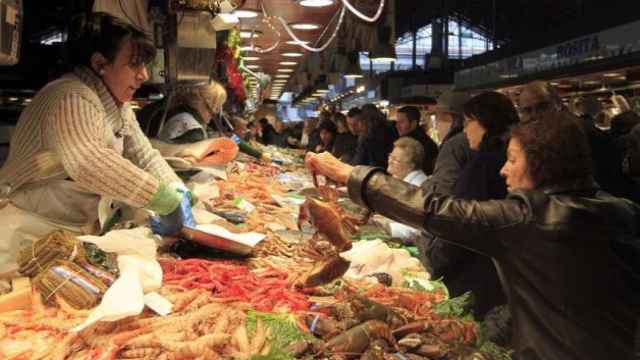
327	165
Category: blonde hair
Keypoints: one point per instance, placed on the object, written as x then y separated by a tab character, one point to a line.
212	94
412	149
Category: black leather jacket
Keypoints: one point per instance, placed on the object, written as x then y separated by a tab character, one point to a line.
568	293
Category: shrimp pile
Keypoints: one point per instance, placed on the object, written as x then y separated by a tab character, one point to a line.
197	329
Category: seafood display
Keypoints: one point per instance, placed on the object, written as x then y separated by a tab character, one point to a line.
287	300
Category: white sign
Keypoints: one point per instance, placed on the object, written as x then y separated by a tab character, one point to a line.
618	41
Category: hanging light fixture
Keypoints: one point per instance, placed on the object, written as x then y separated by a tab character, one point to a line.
245	13
353	69
315	3
384	51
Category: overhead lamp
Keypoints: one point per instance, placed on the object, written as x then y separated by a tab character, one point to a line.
283	76
611	75
591	82
304	26
322	91
250	48
315	3
250	58
292	54
384	51
294	42
246	34
253	66
288	63
245	13
286	70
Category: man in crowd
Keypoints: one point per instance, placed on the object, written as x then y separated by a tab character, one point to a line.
538	99
408	124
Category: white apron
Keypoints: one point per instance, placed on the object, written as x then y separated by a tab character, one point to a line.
34	211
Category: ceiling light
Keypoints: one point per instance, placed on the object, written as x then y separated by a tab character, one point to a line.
292	54
293	42
253	66
246	34
591	82
283	76
288	63
554	83
316	3
245	14
250	58
250	48
286	70
304	26
322	91
612	75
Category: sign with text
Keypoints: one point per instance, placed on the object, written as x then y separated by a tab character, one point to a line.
618	41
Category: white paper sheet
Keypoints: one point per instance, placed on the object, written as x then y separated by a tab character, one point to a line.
250	239
139	273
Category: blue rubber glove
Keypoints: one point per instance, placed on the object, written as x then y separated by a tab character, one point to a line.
171	225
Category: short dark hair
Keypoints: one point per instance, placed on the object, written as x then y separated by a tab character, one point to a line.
411	112
494	111
105	34
328	126
339	117
557	149
264	121
354	112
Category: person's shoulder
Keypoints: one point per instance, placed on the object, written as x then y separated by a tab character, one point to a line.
65	87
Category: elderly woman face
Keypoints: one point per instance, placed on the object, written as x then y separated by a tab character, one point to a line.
399	165
515	169
121	76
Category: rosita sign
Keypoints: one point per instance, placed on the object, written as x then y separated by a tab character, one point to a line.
618	41
579	47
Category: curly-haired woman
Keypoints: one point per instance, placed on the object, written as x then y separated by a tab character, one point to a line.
555	239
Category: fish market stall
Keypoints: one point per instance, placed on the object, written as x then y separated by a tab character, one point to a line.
305	290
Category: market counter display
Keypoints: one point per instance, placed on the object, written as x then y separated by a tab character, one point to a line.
315	286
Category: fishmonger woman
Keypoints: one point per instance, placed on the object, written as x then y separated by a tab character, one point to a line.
78	143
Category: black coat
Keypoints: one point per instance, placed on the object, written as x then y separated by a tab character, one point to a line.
374	149
314	140
430	149
268	135
463	270
345	146
570	295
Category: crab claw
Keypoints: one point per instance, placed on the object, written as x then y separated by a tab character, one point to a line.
327	271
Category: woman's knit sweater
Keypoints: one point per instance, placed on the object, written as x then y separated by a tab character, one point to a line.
70	130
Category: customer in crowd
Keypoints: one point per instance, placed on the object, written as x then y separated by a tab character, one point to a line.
314	136
282	136
327	137
405	163
354	121
408	124
488	118
570	294
267	132
187	116
625	120
308	131
376	138
345	144
539	99
454	149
